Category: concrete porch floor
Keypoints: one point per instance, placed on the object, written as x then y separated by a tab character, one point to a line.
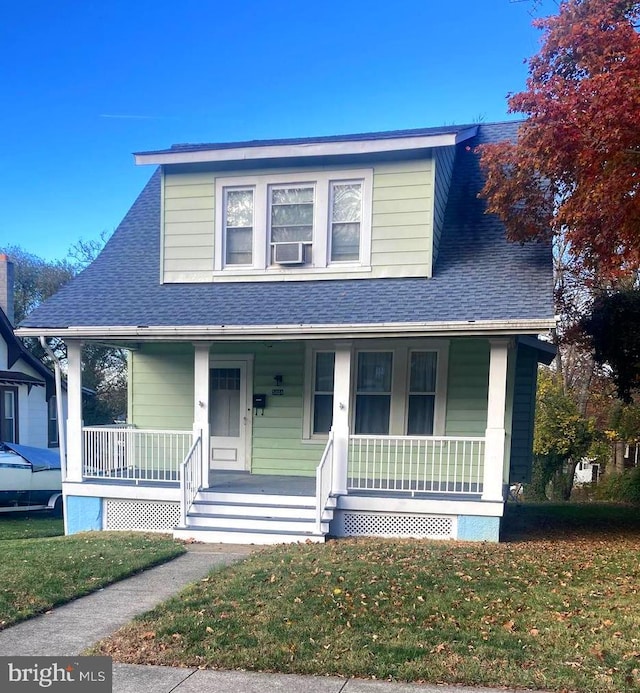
226	481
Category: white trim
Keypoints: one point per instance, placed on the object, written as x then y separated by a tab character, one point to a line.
422	505
307	149
121	490
74	436
217	360
303	331
261	185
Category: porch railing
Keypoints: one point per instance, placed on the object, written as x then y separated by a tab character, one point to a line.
324	472
190	478
134	454
411	464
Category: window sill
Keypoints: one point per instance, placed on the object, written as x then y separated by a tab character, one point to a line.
275	273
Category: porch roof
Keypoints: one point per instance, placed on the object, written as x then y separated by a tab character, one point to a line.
479	278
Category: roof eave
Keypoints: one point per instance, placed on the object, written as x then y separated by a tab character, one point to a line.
280	332
307	149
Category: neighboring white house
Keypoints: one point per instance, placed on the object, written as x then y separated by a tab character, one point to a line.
28	409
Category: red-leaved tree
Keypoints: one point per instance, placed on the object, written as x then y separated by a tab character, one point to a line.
575	168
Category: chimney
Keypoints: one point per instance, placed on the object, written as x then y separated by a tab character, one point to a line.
6	286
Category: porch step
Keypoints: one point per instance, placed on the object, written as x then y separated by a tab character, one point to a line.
243	518
287	525
209	495
213	535
299	512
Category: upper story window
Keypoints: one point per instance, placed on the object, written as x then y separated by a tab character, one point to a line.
346	220
291	223
238	226
310	221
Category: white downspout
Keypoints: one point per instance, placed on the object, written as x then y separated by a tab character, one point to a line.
59	407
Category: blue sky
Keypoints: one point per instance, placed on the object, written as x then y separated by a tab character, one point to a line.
85	83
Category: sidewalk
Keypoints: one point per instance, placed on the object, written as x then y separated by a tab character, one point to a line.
69	629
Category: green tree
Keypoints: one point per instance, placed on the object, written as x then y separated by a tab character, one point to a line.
562	436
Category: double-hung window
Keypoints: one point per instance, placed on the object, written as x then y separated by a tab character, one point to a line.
52	407
312	220
346	220
373	392
238	226
423	371
397	390
9	414
291	219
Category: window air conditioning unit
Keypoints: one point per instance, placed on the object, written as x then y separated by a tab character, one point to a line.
288	253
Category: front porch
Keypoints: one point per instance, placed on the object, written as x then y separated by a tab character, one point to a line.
393	438
395	485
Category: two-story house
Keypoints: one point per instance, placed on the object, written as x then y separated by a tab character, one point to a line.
326	335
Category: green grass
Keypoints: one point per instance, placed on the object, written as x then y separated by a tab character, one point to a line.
30	526
44	571
558	611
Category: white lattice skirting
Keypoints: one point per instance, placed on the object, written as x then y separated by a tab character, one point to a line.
373	524
140	516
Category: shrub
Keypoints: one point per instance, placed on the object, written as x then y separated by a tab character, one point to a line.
623	488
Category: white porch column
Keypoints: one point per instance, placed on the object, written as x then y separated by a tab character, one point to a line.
74	410
495	433
341	416
201	403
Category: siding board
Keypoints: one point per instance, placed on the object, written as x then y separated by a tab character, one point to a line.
468	387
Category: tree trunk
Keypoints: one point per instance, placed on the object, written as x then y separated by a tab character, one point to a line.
619	456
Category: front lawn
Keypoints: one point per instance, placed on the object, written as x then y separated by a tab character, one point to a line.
21	525
557	613
37	574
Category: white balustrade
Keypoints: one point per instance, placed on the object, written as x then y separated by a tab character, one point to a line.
416	464
121	452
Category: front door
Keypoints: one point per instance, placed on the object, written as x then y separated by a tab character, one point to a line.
228	414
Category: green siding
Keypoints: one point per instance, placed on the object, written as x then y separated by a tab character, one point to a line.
524	405
401	234
188	200
161	387
467	387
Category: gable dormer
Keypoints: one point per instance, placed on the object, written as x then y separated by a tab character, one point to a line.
341	207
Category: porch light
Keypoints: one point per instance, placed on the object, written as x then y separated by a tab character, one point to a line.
278	380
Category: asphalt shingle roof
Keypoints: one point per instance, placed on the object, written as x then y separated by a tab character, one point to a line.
478	276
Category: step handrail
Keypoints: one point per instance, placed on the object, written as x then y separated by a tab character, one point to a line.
324	474
190	478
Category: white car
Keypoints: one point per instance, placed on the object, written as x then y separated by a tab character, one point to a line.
30	478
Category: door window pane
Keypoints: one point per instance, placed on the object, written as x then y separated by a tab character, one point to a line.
373	392
346	217
225	402
238	227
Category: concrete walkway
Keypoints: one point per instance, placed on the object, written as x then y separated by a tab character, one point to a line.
70	629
